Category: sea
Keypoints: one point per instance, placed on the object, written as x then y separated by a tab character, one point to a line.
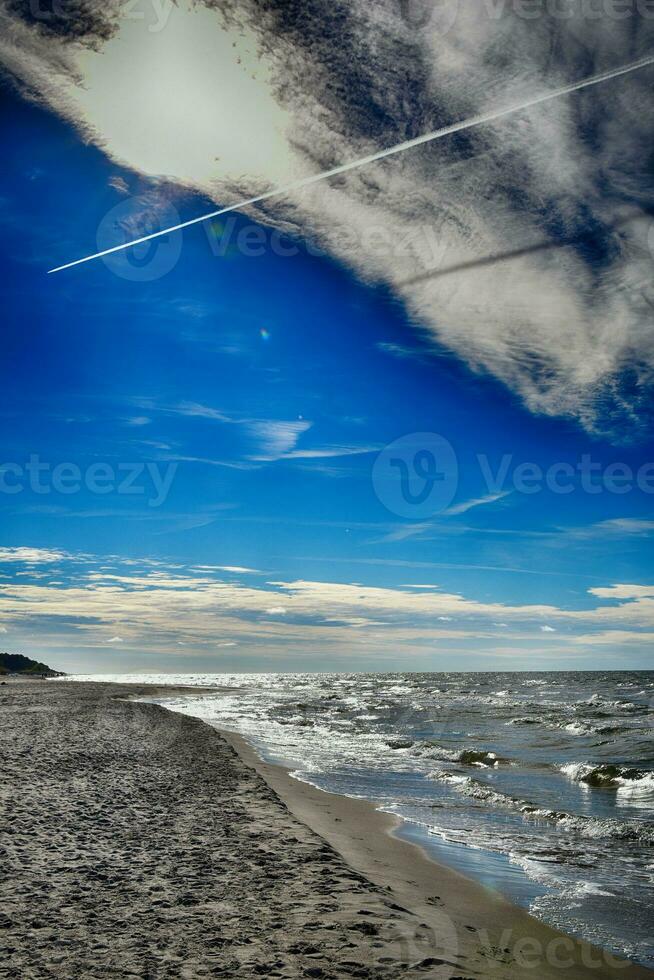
539	785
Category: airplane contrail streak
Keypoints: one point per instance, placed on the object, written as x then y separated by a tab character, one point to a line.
343	168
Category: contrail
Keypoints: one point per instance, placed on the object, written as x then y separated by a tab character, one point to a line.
437	134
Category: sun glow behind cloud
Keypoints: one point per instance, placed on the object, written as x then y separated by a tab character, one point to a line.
192	101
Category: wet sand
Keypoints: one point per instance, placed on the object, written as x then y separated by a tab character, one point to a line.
137	842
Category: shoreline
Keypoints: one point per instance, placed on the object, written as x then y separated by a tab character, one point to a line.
364	836
146	843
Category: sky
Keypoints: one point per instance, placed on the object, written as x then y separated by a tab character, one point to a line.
400	421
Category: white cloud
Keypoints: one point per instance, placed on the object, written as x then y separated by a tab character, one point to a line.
614	638
236	569
195	410
426	528
31	556
624	592
330	452
625	525
405	531
119	184
467	505
276	439
156	608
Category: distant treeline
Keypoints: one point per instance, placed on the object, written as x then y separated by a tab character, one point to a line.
16	663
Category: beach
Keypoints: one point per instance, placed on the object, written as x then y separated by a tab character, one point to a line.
139	842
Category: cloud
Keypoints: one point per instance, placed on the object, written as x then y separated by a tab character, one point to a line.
467	505
400	351
405	531
469	228
154	607
236	569
188	409
624	592
118	184
31	556
618	527
195	410
331	452
624	525
275	439
426	528
614	638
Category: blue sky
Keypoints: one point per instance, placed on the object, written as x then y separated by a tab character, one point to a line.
223	421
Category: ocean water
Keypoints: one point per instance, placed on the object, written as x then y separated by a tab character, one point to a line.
539	785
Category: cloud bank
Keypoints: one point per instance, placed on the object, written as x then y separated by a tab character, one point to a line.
521	246
150	608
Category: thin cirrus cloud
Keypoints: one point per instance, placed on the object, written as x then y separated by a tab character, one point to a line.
615	527
425	528
625	525
332	452
274	440
270	439
277	95
467	505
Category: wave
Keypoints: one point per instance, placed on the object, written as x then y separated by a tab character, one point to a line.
588	728
601	708
467	757
596	828
588	827
608	776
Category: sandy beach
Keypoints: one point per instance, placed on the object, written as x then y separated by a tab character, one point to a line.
137	842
